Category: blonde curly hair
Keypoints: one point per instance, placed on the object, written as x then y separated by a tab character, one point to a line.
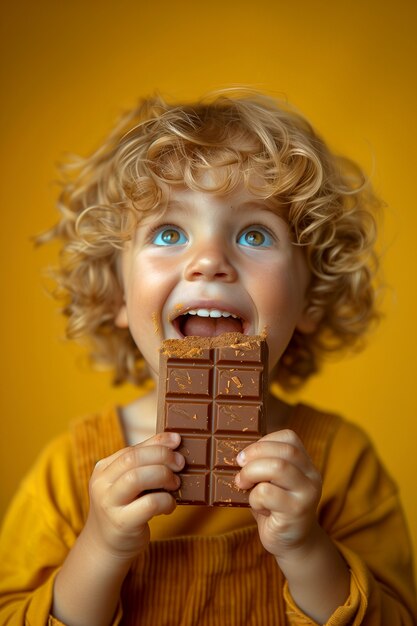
328	202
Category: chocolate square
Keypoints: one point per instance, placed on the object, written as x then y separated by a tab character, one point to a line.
212	391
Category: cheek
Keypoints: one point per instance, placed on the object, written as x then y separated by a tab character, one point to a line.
148	280
279	290
148	285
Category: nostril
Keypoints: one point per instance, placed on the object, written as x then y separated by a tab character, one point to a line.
210	266
211	275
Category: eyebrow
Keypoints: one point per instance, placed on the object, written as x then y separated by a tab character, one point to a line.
177	204
269	205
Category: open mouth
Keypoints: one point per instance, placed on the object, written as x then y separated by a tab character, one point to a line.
208	323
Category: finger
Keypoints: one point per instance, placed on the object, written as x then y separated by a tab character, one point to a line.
132	455
139	456
267	498
284	450
132	483
275	470
171	440
289	507
142	510
285	435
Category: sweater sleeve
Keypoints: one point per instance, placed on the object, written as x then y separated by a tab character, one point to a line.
361	512
39	529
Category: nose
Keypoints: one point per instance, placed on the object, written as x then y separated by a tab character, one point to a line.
209	262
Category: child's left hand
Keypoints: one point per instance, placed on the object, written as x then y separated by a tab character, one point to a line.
286	489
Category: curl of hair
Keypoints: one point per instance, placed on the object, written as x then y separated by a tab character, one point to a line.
326	200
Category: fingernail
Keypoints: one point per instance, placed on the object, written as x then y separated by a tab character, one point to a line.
241	457
179	459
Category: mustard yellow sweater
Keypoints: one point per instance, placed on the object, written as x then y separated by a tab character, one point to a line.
206	566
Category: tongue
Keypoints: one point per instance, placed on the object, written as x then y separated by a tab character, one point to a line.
210	326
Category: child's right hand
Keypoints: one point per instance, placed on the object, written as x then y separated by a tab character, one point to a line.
120	503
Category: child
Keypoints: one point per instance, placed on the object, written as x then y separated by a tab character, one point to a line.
227	215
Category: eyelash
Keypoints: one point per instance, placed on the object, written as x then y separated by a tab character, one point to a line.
158	228
260	227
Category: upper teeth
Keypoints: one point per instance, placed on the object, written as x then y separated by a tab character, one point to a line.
210	313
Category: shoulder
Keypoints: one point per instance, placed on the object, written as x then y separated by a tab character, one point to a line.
354	469
91	435
316	430
53	468
46	505
341	442
353	474
356	487
95	437
55	484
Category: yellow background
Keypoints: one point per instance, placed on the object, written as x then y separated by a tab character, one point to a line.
70	67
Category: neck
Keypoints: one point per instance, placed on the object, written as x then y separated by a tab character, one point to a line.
139	418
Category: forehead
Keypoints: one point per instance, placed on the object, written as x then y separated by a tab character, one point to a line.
232	181
239	197
235	184
196	203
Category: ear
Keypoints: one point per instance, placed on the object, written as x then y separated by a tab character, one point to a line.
121	319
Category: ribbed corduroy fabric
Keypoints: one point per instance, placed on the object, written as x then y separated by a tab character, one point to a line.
205	565
224	579
220	580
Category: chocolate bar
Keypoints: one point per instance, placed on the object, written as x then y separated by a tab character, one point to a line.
212	392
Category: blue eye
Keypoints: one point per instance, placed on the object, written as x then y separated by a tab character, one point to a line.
255	237
169	236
